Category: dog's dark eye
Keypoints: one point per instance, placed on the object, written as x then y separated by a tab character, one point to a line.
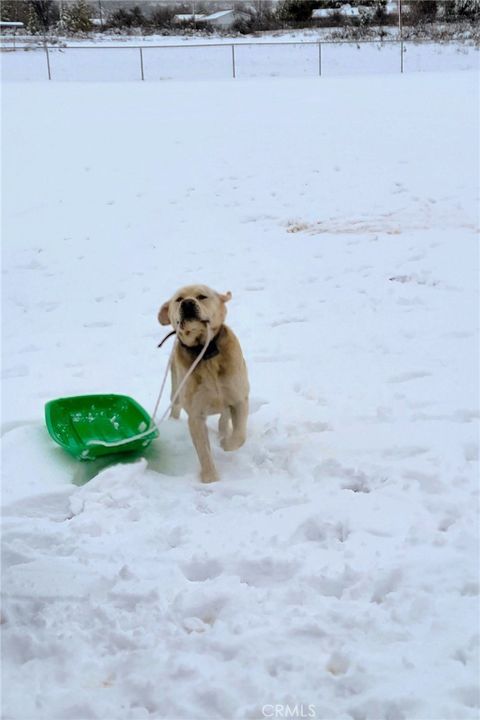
201	297
179	299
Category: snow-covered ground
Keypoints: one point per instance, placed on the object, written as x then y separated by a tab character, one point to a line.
333	570
219	58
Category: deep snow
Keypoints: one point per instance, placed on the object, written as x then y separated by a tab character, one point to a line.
335	564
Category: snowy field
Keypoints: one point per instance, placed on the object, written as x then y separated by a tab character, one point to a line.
333	571
180	58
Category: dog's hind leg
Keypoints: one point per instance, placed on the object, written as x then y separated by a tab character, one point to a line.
224	424
239	413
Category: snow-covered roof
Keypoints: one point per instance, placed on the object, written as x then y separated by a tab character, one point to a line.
188	17
11	24
346	10
218	14
201	17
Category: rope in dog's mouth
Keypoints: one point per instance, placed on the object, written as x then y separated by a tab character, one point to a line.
187	375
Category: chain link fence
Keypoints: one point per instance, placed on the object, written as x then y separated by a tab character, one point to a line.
233	60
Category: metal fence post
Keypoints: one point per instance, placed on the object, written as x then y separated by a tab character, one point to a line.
401	55
233	60
48	62
141	63
320	59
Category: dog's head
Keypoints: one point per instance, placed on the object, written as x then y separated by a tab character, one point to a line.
191	310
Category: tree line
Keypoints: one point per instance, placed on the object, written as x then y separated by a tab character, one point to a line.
80	16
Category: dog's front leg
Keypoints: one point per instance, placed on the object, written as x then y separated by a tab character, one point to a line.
239	413
199	433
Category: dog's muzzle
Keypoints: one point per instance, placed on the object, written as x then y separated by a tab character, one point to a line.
189	310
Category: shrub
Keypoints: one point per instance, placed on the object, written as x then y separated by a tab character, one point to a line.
39	15
467	9
120	19
77	17
259	17
424	11
162	17
137	18
296	10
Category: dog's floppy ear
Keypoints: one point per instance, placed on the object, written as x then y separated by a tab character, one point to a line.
226	297
163	318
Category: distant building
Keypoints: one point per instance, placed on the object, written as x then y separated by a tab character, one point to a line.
356	11
11	25
9	29
187	17
344	10
223	19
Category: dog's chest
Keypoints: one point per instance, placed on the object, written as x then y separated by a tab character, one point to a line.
208	388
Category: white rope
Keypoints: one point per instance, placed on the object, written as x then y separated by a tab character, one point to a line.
182	384
163	383
125	441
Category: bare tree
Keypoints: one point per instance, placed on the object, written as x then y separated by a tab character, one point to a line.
46	12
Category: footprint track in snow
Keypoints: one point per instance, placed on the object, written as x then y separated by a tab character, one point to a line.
288	321
308	427
407	376
404	452
197	608
98	324
254	288
316	530
274	358
355	480
265	571
16	371
199	570
309	394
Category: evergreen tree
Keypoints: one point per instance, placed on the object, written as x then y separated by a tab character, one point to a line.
121	19
296	10
468	8
424	11
15	11
138	19
8	11
77	17
33	24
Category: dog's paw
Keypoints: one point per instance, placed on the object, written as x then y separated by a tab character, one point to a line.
209	476
231	443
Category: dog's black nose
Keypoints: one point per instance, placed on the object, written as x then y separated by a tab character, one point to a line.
189	309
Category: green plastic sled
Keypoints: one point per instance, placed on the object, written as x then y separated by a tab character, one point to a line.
89	426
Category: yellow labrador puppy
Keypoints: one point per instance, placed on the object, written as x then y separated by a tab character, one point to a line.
219	384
